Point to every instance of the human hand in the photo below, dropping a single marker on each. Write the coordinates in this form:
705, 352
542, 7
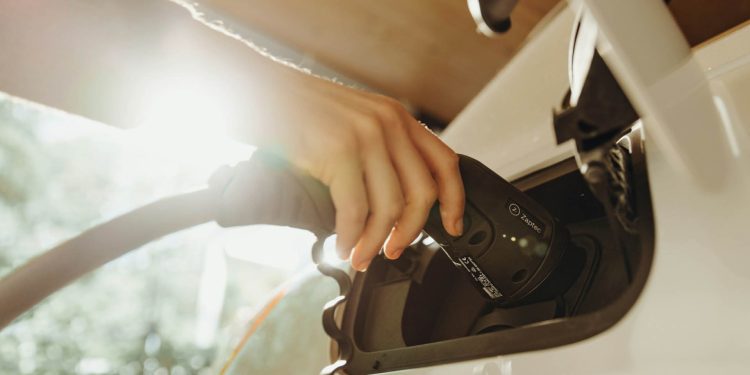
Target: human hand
384, 169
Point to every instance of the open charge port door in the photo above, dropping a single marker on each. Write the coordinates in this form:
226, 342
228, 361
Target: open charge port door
420, 310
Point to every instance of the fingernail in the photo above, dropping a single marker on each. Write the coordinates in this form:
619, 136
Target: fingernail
394, 253
361, 266
459, 226
343, 253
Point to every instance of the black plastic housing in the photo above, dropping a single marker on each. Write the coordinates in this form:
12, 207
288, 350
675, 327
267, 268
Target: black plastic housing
420, 310
510, 245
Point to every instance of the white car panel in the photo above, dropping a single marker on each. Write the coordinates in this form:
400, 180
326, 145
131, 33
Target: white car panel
691, 317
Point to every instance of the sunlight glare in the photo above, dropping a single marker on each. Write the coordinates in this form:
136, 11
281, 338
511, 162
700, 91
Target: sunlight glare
185, 117
275, 246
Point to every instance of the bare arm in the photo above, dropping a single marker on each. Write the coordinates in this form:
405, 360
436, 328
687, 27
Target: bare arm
98, 60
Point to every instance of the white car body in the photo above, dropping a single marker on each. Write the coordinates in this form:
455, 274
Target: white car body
691, 315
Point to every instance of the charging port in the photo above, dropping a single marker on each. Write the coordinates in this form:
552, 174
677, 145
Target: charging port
429, 313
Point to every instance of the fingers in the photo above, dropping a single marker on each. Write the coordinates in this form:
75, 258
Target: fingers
349, 197
398, 170
384, 195
417, 183
443, 163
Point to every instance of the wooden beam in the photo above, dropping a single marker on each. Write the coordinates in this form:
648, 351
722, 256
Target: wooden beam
425, 52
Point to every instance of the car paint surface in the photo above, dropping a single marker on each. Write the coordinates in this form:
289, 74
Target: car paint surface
691, 317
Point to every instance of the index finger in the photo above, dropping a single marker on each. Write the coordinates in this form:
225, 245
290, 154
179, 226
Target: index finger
443, 163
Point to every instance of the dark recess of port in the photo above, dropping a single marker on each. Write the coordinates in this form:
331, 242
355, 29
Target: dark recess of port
477, 237
520, 275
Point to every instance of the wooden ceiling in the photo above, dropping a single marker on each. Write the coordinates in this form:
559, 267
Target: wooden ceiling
426, 52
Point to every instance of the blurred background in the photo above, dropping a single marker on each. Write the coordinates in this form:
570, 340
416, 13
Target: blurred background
157, 310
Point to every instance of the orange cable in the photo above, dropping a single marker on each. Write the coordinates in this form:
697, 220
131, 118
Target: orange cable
262, 315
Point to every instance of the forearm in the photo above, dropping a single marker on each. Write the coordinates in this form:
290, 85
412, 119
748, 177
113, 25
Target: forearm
115, 62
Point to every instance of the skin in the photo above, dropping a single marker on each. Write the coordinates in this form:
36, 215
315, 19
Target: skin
384, 169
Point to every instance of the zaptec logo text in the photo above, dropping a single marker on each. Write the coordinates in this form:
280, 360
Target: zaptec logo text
526, 218
514, 209
530, 223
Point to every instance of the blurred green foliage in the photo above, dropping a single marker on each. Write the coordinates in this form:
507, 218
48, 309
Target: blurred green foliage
137, 315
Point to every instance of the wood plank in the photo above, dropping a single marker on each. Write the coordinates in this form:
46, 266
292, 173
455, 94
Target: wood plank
701, 20
424, 52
